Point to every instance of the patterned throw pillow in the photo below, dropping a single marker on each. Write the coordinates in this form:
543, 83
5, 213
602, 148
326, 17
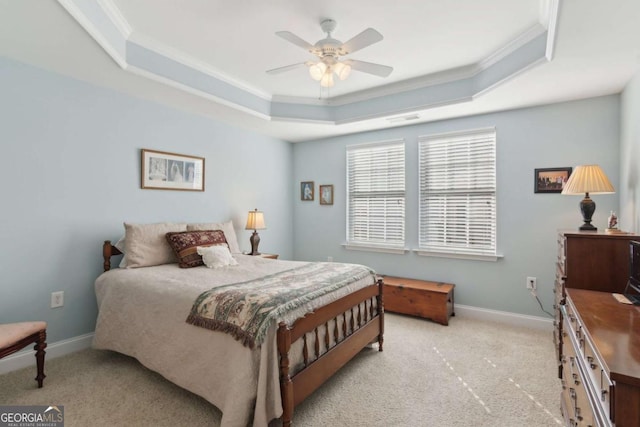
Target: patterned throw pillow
185, 245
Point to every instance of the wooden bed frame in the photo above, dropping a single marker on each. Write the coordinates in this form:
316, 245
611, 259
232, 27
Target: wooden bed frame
366, 325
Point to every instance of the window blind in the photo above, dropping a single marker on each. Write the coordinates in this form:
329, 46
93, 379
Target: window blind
376, 194
458, 193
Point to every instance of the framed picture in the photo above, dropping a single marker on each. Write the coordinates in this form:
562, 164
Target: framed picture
326, 194
550, 180
170, 171
306, 191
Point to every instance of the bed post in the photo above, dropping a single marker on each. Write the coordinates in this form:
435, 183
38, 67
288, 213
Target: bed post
107, 252
380, 312
106, 255
286, 386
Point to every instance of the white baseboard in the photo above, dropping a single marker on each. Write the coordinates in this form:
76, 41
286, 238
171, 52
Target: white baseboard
515, 319
26, 357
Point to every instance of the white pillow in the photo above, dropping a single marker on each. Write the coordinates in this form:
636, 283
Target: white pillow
227, 229
216, 256
146, 244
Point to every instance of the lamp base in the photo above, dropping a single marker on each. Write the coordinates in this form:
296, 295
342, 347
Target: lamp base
255, 240
587, 207
588, 227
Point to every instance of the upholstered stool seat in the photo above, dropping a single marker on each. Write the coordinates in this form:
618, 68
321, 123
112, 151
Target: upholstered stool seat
16, 336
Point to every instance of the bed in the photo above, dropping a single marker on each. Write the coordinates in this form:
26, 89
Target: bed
142, 314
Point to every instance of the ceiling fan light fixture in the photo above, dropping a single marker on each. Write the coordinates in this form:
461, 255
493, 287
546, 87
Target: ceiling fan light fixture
327, 79
329, 51
342, 70
317, 71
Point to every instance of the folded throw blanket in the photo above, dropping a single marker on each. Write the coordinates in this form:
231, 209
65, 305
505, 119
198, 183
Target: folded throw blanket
246, 310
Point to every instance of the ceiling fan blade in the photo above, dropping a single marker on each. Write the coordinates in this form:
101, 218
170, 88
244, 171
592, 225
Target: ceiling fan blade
292, 38
362, 40
288, 67
369, 67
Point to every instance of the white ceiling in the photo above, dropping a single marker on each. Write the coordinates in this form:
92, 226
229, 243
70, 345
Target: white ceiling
596, 49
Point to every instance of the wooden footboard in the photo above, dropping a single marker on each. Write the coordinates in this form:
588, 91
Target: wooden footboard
351, 333
348, 325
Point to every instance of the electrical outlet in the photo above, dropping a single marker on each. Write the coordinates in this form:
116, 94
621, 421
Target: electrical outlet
57, 299
531, 283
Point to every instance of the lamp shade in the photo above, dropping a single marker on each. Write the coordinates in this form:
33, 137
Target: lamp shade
255, 220
588, 179
342, 70
327, 79
316, 71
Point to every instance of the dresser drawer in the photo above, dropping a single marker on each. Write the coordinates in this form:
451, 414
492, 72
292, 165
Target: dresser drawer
562, 254
579, 410
599, 378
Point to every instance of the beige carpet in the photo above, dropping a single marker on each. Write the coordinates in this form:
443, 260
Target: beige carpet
470, 373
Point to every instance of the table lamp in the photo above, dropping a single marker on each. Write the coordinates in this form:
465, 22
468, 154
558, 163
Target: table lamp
587, 179
255, 221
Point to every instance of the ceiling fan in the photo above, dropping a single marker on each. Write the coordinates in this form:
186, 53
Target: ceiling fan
329, 52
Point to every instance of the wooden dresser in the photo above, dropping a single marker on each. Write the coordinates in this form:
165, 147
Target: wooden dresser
588, 260
601, 360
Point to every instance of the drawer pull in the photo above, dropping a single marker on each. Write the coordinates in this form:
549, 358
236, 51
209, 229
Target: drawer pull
603, 395
590, 360
575, 379
578, 416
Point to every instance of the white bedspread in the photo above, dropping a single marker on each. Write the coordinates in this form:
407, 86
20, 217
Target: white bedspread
142, 313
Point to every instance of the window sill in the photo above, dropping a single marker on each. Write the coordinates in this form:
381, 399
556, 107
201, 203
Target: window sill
374, 248
458, 255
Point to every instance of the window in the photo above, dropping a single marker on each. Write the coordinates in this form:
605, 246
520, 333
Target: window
458, 193
375, 186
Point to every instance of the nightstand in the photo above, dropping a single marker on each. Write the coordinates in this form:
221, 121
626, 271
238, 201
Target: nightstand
269, 256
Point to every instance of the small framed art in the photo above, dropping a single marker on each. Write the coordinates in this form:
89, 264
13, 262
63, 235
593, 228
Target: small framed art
550, 180
170, 171
326, 194
306, 191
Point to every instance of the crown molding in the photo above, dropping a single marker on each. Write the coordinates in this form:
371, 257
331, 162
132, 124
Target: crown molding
552, 27
529, 35
116, 17
85, 22
191, 62
152, 59
189, 89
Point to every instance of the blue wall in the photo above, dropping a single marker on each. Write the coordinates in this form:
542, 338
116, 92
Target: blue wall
558, 135
71, 176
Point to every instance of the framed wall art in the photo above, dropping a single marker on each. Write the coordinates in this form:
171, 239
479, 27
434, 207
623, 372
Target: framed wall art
306, 191
170, 171
550, 180
326, 194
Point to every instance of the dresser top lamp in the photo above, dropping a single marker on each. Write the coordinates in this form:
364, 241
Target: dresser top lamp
588, 179
255, 221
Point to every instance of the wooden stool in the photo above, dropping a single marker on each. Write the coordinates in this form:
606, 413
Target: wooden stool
16, 336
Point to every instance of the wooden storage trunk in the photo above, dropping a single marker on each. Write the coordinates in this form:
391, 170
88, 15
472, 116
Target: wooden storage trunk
431, 300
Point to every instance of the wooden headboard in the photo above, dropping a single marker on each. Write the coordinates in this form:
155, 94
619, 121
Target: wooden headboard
108, 251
